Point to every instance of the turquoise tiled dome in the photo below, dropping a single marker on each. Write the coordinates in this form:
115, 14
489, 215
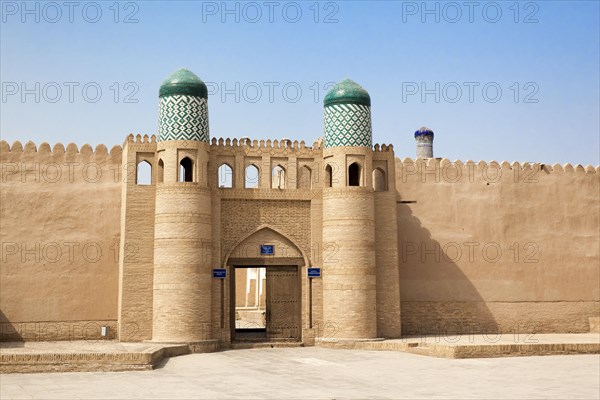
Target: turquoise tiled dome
183, 82
347, 92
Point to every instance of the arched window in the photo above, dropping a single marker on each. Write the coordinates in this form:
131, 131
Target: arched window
304, 180
252, 177
379, 181
186, 170
328, 176
354, 175
160, 175
278, 177
225, 176
144, 173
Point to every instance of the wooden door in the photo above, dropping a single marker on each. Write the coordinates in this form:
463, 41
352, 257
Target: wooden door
283, 303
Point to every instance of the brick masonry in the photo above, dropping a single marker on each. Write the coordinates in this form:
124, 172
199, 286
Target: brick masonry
421, 287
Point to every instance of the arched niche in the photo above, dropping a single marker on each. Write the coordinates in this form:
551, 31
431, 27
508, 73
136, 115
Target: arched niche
249, 248
379, 180
225, 176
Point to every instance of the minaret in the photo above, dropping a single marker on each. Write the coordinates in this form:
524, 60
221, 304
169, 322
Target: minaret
424, 138
349, 283
183, 227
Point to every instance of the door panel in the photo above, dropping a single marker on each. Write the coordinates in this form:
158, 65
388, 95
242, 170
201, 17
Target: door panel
283, 303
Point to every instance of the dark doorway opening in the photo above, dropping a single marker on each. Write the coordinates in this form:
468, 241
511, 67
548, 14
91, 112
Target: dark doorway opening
186, 170
354, 175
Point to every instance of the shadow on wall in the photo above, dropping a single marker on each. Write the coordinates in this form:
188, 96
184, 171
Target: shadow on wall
9, 332
436, 297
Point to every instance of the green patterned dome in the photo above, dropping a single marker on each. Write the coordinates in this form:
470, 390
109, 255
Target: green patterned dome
347, 116
347, 92
183, 82
183, 108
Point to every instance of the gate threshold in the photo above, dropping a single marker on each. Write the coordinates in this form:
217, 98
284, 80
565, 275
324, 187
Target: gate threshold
264, 344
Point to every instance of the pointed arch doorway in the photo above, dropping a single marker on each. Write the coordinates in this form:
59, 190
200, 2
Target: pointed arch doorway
266, 288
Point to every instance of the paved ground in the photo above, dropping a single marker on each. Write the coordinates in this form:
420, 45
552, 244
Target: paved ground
506, 338
79, 346
324, 374
109, 346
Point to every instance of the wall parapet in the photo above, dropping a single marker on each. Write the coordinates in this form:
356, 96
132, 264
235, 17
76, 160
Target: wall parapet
220, 145
383, 147
139, 144
139, 139
274, 148
419, 164
18, 152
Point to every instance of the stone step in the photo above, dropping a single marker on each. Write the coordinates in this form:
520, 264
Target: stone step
265, 344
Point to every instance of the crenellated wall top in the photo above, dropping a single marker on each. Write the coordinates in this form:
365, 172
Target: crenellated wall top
18, 152
273, 148
276, 148
139, 139
431, 163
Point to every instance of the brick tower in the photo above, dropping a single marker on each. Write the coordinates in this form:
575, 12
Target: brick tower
183, 227
349, 275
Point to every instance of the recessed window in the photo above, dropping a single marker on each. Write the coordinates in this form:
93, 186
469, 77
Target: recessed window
186, 170
354, 175
379, 181
160, 176
251, 177
304, 179
328, 176
144, 173
278, 177
225, 176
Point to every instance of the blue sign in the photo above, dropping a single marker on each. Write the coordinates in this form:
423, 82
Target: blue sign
220, 273
314, 272
267, 249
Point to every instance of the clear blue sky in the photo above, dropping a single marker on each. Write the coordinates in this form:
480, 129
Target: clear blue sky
549, 50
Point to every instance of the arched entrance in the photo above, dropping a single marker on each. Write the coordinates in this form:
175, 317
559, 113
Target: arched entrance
265, 270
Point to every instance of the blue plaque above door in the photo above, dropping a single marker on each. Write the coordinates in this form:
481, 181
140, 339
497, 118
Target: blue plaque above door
267, 249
